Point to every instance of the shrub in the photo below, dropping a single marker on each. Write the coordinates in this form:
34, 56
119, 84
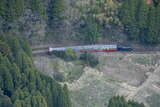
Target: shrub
89, 59
58, 76
67, 55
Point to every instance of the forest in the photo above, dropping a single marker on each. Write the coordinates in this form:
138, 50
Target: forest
138, 19
141, 20
21, 85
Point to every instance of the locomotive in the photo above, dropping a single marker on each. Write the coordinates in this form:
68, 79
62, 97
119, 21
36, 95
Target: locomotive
93, 48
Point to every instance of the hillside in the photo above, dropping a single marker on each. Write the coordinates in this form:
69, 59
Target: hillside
91, 21
135, 76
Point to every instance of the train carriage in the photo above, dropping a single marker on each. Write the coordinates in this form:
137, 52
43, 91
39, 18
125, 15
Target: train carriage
87, 48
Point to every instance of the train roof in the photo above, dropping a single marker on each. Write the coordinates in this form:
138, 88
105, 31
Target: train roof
84, 47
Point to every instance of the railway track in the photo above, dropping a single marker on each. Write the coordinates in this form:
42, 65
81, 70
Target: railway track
43, 50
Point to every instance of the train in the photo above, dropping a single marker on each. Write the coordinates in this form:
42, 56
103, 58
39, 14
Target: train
93, 48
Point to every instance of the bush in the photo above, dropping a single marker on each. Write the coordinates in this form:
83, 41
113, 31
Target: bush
89, 59
58, 76
67, 55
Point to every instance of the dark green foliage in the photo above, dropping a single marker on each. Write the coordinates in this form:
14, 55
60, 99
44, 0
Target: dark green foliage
153, 25
156, 2
18, 8
128, 17
67, 55
21, 85
119, 101
37, 7
55, 12
135, 104
141, 21
91, 31
2, 8
11, 9
89, 59
4, 49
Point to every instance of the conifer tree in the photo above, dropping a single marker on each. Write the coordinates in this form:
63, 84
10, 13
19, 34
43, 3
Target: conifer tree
37, 7
7, 81
92, 30
16, 75
67, 101
56, 11
17, 103
18, 8
143, 13
143, 19
152, 35
128, 17
2, 8
4, 48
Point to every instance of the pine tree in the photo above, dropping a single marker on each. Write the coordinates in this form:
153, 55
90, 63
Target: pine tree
18, 8
17, 103
9, 16
143, 19
128, 17
2, 8
4, 48
7, 81
56, 11
26, 47
67, 101
15, 75
92, 31
143, 13
38, 101
37, 7
152, 36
